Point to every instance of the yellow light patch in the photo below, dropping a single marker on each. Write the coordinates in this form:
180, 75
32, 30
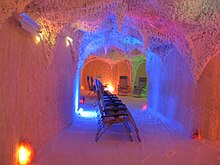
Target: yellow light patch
37, 39
25, 153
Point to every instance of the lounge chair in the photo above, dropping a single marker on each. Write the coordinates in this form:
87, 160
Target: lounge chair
139, 88
91, 87
112, 111
123, 85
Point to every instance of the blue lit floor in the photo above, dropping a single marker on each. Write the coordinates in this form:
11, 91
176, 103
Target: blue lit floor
160, 145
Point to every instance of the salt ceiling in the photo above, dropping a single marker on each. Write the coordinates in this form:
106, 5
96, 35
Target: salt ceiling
192, 26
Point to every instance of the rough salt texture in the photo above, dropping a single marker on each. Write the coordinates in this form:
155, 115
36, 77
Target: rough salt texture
171, 89
9, 6
207, 98
36, 103
191, 25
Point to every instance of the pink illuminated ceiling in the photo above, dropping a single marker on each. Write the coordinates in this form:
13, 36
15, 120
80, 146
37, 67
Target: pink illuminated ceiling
192, 25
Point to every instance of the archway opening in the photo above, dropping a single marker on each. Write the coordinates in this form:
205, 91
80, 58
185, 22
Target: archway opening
107, 71
207, 100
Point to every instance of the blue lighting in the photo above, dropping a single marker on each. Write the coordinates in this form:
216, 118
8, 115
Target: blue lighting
93, 46
154, 76
80, 110
28, 20
131, 40
88, 114
76, 87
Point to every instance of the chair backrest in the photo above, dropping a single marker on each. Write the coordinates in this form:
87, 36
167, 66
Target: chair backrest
142, 82
91, 80
88, 82
123, 81
99, 101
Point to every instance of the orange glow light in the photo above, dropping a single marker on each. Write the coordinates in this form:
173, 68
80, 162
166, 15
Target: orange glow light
25, 154
82, 87
109, 88
197, 134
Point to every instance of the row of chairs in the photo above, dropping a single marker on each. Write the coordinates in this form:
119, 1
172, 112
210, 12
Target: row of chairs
137, 91
112, 111
122, 87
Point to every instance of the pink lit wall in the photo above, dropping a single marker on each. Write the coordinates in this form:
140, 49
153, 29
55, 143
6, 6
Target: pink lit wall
35, 101
208, 101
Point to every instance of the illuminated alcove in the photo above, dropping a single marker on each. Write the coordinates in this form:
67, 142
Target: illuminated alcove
139, 70
207, 99
97, 68
106, 70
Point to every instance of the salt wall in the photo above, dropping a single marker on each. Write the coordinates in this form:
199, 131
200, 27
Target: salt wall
171, 88
35, 101
208, 101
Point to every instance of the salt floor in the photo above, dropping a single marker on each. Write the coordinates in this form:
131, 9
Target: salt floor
161, 143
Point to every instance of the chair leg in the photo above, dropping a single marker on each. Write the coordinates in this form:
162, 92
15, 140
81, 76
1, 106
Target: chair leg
89, 93
100, 133
131, 120
139, 139
127, 132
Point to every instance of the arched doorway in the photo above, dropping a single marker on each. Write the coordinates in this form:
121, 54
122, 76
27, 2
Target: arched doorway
141, 72
107, 71
122, 68
96, 68
207, 100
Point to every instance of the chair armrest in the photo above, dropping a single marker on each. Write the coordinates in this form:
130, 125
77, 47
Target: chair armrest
114, 115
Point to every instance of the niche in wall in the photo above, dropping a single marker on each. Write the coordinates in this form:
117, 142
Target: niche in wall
106, 70
141, 72
207, 99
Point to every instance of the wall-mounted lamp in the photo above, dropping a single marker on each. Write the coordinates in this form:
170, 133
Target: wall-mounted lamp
69, 41
25, 153
37, 39
28, 24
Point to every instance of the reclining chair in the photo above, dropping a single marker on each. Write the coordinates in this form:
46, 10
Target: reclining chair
91, 87
141, 85
112, 111
123, 85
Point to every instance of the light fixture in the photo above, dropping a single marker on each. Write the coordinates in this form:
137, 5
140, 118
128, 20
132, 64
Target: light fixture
37, 39
144, 106
69, 41
80, 110
197, 134
29, 24
81, 99
25, 153
109, 88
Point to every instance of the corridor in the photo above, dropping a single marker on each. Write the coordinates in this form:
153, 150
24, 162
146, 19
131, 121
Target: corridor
162, 144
